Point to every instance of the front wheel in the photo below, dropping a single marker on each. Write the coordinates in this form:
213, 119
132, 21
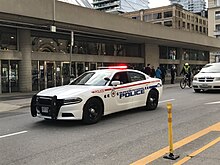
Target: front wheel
182, 83
92, 111
152, 100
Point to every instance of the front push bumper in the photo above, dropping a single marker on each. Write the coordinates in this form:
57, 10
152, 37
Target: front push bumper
45, 105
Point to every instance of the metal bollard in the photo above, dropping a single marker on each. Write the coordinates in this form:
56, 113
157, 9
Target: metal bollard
170, 134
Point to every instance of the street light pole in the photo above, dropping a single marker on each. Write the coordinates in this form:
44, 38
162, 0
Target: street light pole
71, 49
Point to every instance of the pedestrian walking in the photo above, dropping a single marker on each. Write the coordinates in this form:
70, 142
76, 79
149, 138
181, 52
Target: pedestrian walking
158, 73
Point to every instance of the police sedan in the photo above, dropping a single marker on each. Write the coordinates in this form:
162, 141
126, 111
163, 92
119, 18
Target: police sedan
97, 93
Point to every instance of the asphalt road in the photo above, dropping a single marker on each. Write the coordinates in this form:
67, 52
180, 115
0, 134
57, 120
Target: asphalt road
118, 139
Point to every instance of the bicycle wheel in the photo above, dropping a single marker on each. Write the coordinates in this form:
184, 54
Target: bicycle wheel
182, 83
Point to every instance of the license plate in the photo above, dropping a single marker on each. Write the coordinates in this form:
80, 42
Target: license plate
204, 86
44, 109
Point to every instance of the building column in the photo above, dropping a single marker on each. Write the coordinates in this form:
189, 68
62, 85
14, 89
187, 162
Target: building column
25, 67
152, 56
0, 78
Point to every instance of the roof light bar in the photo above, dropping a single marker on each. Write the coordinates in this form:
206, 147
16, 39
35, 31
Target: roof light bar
114, 67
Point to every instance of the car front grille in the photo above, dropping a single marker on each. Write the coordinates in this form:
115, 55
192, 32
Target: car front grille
44, 101
206, 79
52, 106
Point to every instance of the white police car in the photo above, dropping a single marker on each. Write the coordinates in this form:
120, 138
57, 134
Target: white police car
97, 93
208, 78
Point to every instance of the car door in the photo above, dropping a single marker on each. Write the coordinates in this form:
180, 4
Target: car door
138, 81
120, 97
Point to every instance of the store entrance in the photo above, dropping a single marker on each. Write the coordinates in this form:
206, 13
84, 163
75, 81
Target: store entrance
50, 75
9, 76
47, 74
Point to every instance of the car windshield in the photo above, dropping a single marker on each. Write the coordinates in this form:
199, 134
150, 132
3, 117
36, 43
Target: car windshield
211, 68
92, 79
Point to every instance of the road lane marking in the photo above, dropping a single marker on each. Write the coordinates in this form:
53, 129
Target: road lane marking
185, 159
216, 102
162, 152
166, 100
13, 134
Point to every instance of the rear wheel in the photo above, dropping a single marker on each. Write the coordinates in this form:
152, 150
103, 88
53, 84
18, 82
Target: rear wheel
182, 83
92, 111
152, 100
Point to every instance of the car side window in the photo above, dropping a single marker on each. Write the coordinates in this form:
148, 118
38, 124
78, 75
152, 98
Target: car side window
121, 76
135, 76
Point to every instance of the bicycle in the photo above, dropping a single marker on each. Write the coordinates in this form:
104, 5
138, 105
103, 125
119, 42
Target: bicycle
185, 82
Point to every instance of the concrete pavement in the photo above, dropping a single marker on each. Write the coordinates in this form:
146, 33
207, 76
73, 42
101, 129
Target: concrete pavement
14, 101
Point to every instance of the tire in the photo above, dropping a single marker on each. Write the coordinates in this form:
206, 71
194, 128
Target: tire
92, 111
182, 83
152, 100
197, 90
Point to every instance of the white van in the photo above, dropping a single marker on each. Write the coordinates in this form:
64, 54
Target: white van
208, 78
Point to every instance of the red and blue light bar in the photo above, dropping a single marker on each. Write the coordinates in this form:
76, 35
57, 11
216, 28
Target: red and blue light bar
115, 67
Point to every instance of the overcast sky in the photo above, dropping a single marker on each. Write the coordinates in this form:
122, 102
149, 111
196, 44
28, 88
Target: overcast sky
158, 3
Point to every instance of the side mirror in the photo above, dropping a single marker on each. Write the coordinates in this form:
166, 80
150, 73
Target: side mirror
115, 83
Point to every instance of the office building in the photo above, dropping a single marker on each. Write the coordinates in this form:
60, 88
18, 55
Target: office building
214, 25
173, 16
120, 6
195, 6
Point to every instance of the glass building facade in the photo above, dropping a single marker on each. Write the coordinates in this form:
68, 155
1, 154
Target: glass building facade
121, 6
194, 6
51, 57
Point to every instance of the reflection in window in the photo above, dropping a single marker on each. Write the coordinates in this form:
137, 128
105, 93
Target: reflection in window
217, 15
169, 53
157, 16
87, 46
189, 54
168, 23
168, 14
8, 39
148, 17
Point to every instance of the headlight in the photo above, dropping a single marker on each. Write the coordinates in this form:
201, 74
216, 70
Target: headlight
217, 79
72, 100
195, 78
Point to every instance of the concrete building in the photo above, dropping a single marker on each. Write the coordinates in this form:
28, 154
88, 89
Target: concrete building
195, 6
214, 25
120, 6
173, 16
43, 42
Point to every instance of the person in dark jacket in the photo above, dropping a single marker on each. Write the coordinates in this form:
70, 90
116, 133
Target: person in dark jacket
153, 73
173, 73
163, 74
147, 70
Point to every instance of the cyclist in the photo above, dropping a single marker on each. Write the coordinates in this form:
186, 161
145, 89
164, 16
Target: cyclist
187, 71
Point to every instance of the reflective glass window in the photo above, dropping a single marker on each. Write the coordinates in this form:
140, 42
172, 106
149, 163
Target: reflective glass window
8, 39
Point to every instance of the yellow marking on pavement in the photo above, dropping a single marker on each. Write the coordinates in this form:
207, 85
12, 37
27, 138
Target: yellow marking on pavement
198, 151
162, 152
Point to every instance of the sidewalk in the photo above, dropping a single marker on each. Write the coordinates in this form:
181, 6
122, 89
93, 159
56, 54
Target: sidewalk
13, 101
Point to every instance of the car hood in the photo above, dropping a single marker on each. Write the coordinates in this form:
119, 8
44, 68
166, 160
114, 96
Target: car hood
66, 91
200, 74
